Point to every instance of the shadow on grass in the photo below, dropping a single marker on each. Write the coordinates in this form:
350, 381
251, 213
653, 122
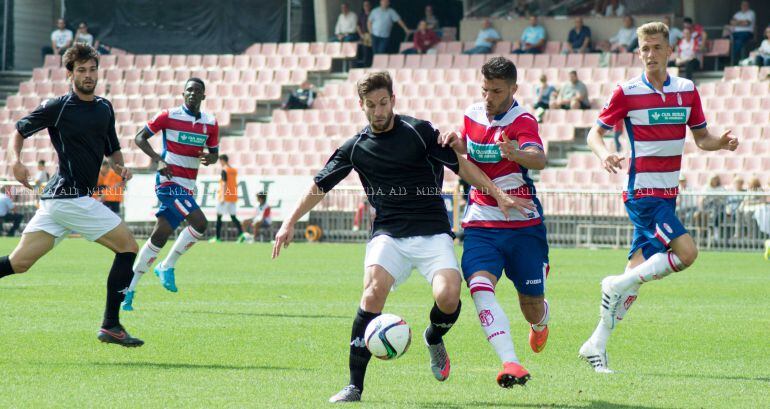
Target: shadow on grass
714, 377
167, 365
270, 315
477, 404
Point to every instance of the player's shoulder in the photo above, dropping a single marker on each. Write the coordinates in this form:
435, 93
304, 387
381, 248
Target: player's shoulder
208, 118
422, 126
476, 111
55, 102
679, 84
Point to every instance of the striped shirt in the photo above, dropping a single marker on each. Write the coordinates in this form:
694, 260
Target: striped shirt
655, 122
184, 137
480, 137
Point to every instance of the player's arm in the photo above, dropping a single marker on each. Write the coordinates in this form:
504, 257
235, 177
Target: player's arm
286, 233
141, 140
476, 177
211, 157
20, 171
454, 141
44, 116
116, 163
595, 139
531, 157
709, 142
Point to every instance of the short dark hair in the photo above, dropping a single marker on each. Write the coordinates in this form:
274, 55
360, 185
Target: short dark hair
499, 68
224, 157
687, 20
80, 52
374, 81
261, 195
197, 80
41, 162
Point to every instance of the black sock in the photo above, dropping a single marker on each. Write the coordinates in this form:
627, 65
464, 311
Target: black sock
219, 226
359, 354
440, 323
119, 279
237, 224
5, 267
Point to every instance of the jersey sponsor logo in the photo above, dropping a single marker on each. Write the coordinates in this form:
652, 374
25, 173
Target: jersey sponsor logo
190, 138
358, 342
667, 116
484, 153
668, 228
486, 318
534, 282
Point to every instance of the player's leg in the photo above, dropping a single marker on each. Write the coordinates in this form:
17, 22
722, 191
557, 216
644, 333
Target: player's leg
384, 267
218, 235
31, 247
183, 207
146, 256
482, 263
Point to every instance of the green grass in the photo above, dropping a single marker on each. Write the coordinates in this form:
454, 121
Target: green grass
245, 331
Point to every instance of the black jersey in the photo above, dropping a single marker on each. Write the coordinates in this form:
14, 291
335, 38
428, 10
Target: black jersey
402, 171
83, 133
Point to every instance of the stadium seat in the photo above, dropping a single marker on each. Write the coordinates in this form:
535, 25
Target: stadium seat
717, 49
502, 48
284, 49
525, 61
143, 61
253, 49
552, 47
453, 47
268, 49
52, 61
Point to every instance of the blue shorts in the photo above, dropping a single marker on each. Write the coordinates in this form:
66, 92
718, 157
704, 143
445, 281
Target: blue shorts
175, 204
655, 224
523, 253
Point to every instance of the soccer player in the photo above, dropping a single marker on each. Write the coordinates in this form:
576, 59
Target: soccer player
82, 130
227, 196
655, 108
501, 138
186, 132
400, 164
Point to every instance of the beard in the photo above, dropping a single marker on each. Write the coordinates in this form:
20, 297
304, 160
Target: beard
497, 110
84, 88
383, 127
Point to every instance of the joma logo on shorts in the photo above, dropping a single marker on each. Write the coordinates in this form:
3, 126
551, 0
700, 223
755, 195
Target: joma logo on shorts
533, 282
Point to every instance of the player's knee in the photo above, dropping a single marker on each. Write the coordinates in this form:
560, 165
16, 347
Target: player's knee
200, 226
21, 265
448, 299
130, 246
688, 256
374, 293
532, 308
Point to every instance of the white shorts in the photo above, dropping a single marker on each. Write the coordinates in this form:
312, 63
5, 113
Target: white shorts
428, 254
84, 215
226, 208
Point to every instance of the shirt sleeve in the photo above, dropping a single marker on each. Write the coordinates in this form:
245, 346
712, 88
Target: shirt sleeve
112, 145
338, 167
442, 154
158, 123
614, 110
697, 117
44, 116
394, 16
213, 140
525, 131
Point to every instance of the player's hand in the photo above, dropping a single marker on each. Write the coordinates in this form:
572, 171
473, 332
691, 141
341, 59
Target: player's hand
126, 174
283, 238
612, 163
163, 169
728, 142
453, 140
21, 174
507, 147
208, 158
506, 202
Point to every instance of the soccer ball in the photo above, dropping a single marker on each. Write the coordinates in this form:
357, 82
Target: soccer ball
388, 336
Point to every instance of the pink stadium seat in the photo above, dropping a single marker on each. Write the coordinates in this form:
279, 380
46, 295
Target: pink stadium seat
743, 117
623, 60
422, 75
178, 61
542, 61
349, 50
165, 76
453, 47
396, 61
44, 89
107, 61
298, 77
211, 61
40, 74
27, 88
52, 61
617, 75
760, 117
526, 61
462, 61
301, 49
253, 49
428, 61
380, 61
114, 75
444, 61
285, 49
591, 60
61, 88
731, 73
132, 75
317, 49
162, 61
760, 88
181, 75
132, 88
256, 62
323, 63
149, 75
502, 48
718, 48
404, 46
477, 60
467, 45
558, 61
552, 47
411, 61
269, 49
288, 63
242, 62
143, 61
125, 61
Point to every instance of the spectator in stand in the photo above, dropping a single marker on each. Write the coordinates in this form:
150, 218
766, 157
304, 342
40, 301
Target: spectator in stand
687, 54
763, 52
61, 39
485, 40
380, 23
83, 36
364, 52
572, 95
424, 40
41, 178
346, 28
543, 94
713, 208
734, 201
532, 38
430, 18
623, 40
579, 38
674, 34
7, 214
302, 98
615, 9
696, 28
743, 29
748, 206
687, 205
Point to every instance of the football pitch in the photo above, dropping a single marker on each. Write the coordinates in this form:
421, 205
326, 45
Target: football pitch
247, 331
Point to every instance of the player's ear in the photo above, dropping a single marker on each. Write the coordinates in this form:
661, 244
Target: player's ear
514, 88
361, 103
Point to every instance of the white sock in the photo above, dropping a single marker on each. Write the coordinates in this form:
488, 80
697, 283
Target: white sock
147, 255
654, 268
543, 321
186, 239
494, 322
